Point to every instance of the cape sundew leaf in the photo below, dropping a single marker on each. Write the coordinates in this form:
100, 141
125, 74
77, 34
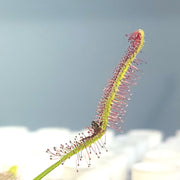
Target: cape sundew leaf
110, 111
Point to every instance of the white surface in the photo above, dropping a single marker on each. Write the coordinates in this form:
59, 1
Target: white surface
162, 155
154, 137
155, 171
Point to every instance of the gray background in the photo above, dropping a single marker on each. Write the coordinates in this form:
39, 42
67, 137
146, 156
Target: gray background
56, 56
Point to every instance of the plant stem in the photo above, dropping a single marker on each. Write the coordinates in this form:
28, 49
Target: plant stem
48, 170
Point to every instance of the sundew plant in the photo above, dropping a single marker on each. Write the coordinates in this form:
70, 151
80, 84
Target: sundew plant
110, 109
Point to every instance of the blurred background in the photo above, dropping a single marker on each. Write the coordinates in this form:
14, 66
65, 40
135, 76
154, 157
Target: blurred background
56, 57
